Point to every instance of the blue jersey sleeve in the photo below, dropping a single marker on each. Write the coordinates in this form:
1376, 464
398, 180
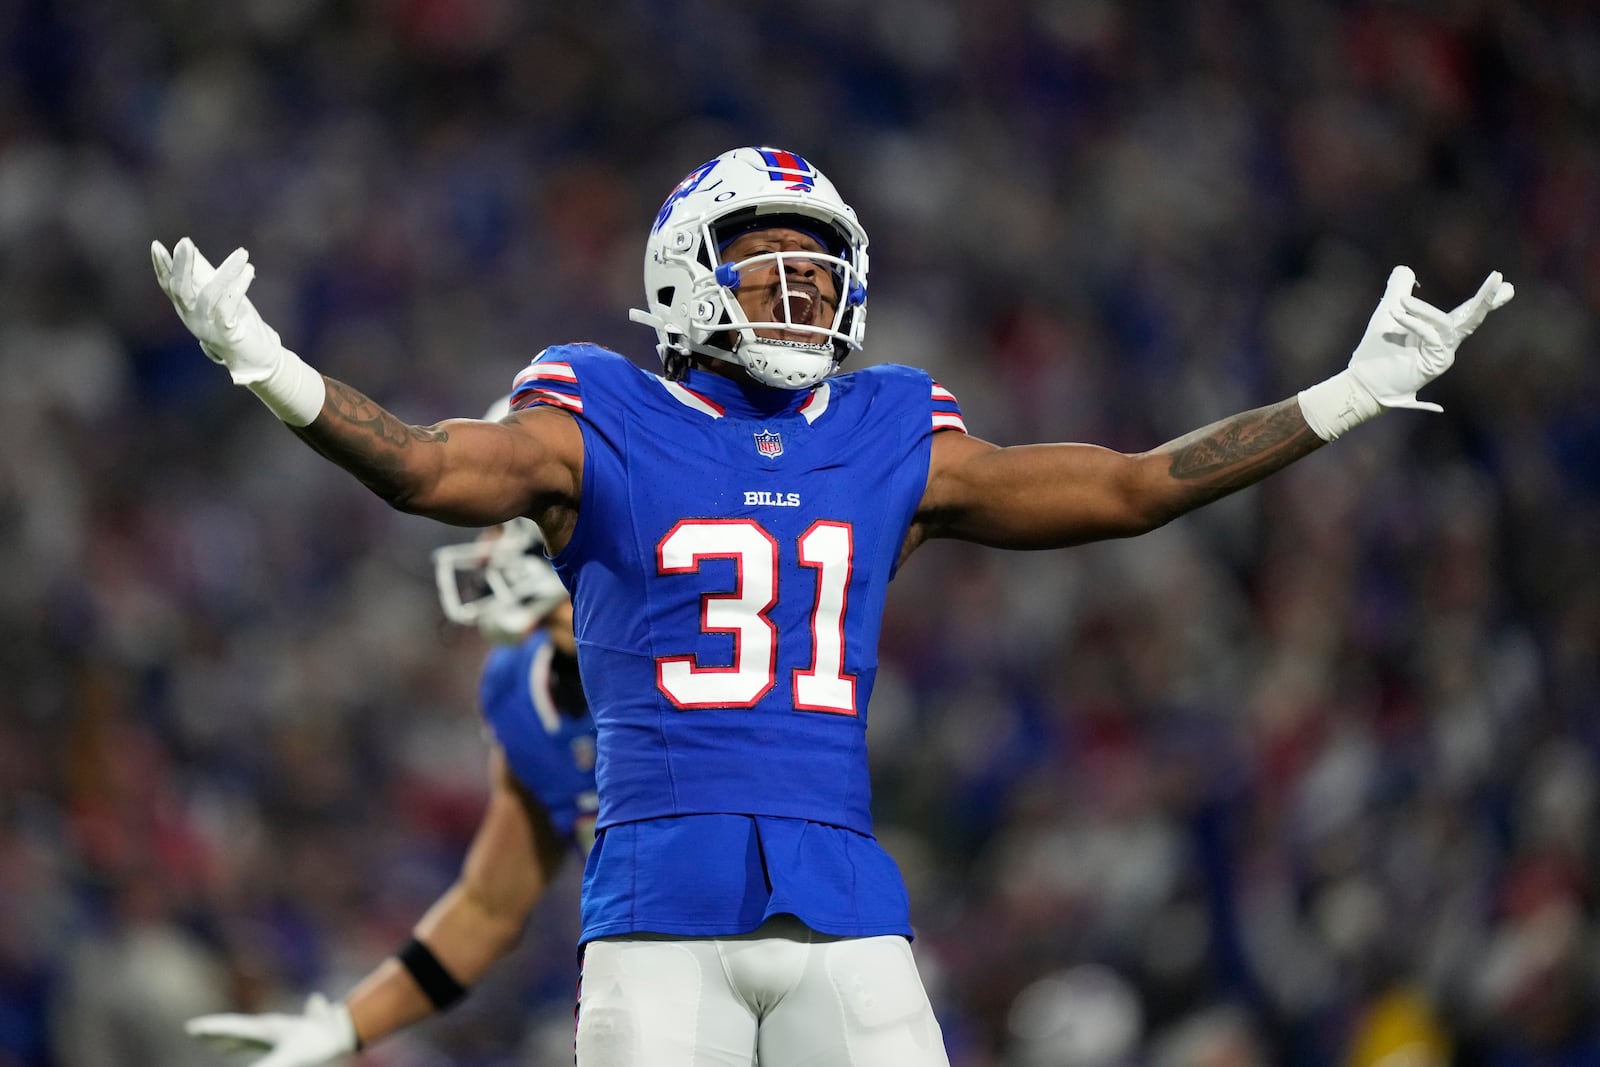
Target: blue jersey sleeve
554, 377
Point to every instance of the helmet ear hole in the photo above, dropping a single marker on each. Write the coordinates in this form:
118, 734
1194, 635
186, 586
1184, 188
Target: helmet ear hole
665, 294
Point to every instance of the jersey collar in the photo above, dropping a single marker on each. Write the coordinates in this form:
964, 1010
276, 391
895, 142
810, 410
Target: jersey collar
718, 396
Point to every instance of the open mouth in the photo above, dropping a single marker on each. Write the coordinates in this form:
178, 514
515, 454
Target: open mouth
799, 307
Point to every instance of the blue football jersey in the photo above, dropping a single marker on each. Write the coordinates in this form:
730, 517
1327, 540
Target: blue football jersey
729, 567
539, 720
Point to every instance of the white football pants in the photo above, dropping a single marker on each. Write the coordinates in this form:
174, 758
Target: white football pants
782, 995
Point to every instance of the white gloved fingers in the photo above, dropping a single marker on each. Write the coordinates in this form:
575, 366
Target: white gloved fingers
219, 301
233, 1030
1490, 287
235, 270
1493, 293
1401, 281
183, 289
203, 270
161, 260
185, 263
233, 298
1418, 326
190, 268
1437, 318
226, 287
1413, 403
323, 1033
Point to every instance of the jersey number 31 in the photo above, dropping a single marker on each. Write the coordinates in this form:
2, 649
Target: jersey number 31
828, 547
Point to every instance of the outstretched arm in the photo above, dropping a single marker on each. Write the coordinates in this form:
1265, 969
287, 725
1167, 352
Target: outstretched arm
513, 858
1048, 496
463, 471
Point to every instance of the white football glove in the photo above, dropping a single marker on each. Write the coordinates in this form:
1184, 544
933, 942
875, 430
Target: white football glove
213, 305
323, 1032
1407, 344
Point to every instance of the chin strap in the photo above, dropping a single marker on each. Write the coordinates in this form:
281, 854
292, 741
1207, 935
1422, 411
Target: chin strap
673, 351
675, 365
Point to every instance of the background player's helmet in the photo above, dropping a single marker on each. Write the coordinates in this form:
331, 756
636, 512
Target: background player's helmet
690, 291
501, 582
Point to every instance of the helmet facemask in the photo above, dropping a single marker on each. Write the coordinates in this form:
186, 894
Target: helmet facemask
783, 362
693, 292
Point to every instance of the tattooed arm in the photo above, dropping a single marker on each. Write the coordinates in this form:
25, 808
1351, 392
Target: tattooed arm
461, 471
1048, 496
464, 471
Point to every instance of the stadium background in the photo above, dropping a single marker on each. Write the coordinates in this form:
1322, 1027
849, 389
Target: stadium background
1308, 777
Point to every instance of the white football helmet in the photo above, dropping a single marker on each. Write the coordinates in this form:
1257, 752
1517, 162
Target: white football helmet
501, 582
689, 291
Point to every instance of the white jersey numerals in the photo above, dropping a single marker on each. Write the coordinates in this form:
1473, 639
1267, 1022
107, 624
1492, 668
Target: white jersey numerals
742, 612
827, 547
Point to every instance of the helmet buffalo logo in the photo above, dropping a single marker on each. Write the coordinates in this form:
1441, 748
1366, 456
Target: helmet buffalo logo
769, 444
685, 187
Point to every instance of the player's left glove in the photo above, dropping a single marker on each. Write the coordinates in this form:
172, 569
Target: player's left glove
323, 1032
1407, 344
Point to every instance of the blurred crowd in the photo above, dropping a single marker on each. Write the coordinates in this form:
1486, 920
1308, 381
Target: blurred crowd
1308, 777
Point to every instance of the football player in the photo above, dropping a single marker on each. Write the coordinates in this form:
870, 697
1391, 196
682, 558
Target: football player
542, 805
729, 529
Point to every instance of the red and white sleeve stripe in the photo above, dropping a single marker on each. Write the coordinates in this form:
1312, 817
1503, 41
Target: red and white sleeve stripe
946, 410
552, 382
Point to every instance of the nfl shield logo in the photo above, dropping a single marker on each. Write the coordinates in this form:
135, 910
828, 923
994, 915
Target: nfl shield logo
769, 444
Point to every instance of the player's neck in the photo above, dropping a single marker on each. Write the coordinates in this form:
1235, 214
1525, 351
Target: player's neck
723, 369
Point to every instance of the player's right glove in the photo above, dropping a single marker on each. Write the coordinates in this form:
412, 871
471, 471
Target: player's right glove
213, 305
323, 1032
1407, 344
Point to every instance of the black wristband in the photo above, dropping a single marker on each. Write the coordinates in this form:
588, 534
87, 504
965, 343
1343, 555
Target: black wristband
436, 983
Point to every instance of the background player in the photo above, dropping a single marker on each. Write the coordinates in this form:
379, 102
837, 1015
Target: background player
730, 531
541, 805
